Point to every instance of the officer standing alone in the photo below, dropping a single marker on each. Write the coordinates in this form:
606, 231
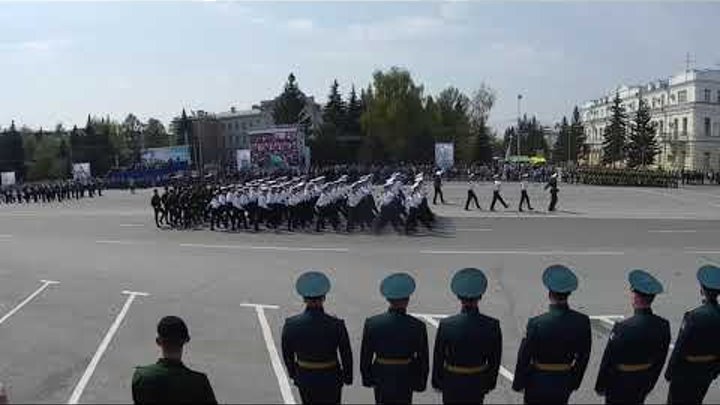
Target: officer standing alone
437, 186
311, 342
695, 360
394, 352
553, 186
637, 347
169, 380
554, 353
468, 346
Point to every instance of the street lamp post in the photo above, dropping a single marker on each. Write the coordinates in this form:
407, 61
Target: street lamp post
517, 135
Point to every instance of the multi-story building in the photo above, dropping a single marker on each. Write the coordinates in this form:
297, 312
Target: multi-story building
235, 126
685, 110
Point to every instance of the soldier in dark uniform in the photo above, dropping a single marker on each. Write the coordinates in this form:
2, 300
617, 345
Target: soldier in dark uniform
553, 186
156, 203
695, 360
311, 342
468, 346
169, 380
553, 356
637, 347
394, 353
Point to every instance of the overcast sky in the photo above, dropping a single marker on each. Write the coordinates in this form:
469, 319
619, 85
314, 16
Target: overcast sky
61, 61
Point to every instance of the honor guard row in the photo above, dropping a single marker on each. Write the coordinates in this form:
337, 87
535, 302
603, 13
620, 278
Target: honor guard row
297, 204
552, 357
50, 192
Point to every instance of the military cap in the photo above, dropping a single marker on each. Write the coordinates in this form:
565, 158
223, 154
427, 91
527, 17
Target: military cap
469, 283
560, 279
397, 286
312, 284
496, 176
438, 173
709, 277
644, 283
554, 175
173, 329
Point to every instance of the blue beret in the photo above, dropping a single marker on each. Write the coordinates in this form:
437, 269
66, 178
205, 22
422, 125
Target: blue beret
397, 286
469, 283
312, 284
709, 277
560, 279
644, 283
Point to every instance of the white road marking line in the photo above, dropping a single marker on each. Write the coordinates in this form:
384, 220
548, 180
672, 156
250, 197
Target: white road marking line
274, 248
672, 231
473, 230
132, 225
280, 374
608, 320
117, 242
45, 284
703, 252
5, 236
523, 252
430, 319
80, 387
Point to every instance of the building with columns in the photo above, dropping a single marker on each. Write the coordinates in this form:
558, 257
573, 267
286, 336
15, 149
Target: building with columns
685, 110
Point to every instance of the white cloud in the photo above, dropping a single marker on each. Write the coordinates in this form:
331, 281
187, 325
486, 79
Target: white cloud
34, 46
398, 29
301, 24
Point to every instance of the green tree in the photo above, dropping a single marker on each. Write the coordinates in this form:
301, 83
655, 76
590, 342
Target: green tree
561, 149
354, 113
155, 135
482, 101
453, 124
642, 146
289, 104
131, 131
324, 147
615, 134
12, 152
394, 116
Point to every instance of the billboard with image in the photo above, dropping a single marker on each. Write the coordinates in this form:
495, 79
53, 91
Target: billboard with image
8, 178
81, 171
175, 153
444, 155
242, 159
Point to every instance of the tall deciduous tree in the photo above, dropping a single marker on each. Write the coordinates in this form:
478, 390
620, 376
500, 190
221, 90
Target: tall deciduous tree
289, 104
155, 134
481, 102
615, 134
642, 146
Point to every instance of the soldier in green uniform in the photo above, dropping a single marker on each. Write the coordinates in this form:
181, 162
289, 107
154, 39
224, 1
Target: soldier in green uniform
394, 352
169, 380
553, 356
468, 346
695, 360
311, 342
637, 347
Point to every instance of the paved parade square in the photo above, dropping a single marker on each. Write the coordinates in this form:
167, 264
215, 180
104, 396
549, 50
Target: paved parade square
83, 284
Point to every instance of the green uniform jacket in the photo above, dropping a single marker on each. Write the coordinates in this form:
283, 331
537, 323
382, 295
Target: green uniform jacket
394, 335
698, 336
559, 336
640, 340
314, 336
169, 381
467, 340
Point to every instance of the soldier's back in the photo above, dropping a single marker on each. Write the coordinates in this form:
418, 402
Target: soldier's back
169, 381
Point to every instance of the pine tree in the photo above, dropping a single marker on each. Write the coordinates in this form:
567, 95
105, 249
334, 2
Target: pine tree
334, 112
354, 113
289, 104
615, 134
560, 149
642, 146
481, 142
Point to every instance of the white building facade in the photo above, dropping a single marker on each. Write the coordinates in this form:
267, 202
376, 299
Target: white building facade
685, 110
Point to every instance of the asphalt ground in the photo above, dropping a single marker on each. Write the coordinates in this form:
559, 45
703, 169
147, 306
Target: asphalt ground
78, 335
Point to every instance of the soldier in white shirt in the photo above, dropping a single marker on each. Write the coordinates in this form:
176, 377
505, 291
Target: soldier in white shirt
471, 196
524, 197
497, 185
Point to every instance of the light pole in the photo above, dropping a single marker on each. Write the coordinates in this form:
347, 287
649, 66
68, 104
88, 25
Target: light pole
517, 135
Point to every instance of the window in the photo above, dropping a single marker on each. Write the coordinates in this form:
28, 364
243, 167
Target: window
682, 96
675, 127
684, 128
707, 126
707, 95
662, 129
672, 98
662, 99
716, 128
236, 125
718, 96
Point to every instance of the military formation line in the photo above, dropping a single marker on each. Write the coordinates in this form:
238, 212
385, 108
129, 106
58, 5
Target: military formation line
395, 357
